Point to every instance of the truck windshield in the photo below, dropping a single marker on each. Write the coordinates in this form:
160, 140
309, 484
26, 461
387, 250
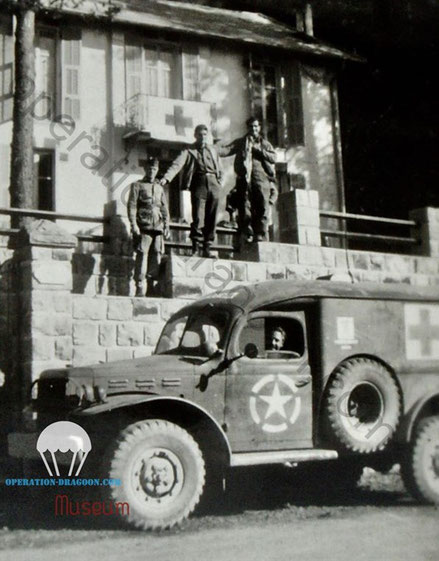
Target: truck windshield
200, 333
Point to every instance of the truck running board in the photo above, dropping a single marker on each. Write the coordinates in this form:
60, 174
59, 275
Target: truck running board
281, 457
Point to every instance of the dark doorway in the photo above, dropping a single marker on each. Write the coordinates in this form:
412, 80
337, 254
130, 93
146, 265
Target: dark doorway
44, 179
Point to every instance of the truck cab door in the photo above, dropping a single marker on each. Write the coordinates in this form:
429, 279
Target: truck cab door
268, 401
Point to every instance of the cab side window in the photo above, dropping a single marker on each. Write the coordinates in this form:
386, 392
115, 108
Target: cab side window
253, 332
275, 338
284, 338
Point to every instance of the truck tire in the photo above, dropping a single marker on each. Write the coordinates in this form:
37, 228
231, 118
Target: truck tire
161, 470
362, 406
420, 466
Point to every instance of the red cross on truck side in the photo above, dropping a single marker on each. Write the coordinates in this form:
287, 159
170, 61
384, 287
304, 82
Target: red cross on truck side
425, 332
178, 120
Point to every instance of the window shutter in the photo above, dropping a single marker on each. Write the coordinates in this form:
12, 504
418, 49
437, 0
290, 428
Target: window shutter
191, 75
133, 69
151, 72
6, 70
295, 134
133, 78
70, 72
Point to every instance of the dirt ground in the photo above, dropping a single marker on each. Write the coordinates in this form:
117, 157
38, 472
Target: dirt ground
262, 518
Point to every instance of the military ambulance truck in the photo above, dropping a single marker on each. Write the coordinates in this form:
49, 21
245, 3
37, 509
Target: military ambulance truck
353, 382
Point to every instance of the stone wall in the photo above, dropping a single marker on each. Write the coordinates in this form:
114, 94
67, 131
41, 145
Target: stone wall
189, 277
10, 312
117, 328
63, 304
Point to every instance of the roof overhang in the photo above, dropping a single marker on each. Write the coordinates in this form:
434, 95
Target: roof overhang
242, 27
246, 28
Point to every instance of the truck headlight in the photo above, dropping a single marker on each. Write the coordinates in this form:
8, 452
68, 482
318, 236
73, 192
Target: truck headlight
100, 394
29, 418
89, 394
34, 391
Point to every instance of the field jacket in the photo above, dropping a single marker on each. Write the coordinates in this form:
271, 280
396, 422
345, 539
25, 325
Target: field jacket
186, 162
147, 207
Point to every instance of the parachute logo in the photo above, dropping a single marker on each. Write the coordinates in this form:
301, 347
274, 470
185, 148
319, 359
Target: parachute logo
64, 436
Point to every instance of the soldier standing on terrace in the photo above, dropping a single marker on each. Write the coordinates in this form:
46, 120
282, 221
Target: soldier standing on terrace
202, 176
255, 189
149, 218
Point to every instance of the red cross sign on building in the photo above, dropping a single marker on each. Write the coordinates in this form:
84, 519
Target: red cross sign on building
179, 121
422, 331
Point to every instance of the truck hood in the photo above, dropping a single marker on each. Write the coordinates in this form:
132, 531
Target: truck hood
170, 374
154, 366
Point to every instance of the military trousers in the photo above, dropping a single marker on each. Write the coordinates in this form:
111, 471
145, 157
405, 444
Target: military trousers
149, 248
205, 191
253, 206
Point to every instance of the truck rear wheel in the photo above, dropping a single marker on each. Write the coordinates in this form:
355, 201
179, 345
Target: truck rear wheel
161, 470
362, 406
420, 467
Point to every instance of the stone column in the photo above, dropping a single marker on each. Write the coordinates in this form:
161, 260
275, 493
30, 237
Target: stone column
299, 219
44, 255
427, 231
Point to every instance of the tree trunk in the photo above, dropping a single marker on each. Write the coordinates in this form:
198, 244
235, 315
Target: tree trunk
22, 188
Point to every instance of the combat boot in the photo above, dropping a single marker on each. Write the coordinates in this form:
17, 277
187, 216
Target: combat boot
152, 288
140, 289
207, 251
195, 247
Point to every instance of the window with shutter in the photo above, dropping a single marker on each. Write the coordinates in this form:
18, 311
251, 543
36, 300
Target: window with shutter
191, 77
264, 98
159, 70
6, 70
276, 100
70, 72
134, 81
151, 72
45, 70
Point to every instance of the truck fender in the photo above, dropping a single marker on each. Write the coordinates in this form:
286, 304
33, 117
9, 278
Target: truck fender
114, 403
429, 403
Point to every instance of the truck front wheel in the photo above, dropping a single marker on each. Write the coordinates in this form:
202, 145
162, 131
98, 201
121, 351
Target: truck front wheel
161, 471
420, 466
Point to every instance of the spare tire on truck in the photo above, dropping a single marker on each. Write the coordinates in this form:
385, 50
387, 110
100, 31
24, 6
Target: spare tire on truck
362, 406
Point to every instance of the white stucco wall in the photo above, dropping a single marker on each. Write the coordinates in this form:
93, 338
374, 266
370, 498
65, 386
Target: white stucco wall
97, 137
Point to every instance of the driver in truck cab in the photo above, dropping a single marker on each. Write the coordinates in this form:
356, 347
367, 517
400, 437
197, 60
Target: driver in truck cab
277, 339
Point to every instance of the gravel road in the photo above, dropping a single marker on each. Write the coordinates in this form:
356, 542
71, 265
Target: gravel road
378, 522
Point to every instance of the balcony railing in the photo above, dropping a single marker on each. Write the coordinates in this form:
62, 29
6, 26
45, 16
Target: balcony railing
179, 232
390, 234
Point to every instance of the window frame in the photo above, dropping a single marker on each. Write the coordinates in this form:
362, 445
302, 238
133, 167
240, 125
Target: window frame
6, 48
58, 110
289, 123
296, 315
181, 51
39, 152
51, 32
